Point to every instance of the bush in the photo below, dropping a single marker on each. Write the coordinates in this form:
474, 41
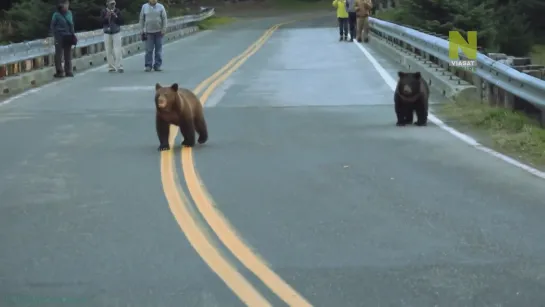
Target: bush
506, 25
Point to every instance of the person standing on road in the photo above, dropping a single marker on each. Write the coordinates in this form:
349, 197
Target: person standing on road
342, 17
153, 21
111, 22
363, 10
64, 37
351, 9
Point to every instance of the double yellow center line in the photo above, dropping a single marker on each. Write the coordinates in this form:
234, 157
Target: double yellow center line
179, 203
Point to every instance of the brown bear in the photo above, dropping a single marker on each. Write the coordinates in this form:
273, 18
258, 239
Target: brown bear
411, 95
180, 107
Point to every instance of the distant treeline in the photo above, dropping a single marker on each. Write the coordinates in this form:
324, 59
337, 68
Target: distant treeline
508, 26
29, 19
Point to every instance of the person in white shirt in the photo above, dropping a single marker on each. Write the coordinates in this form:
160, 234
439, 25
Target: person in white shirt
153, 22
111, 22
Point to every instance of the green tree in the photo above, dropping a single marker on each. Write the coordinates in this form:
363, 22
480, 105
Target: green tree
442, 16
29, 20
509, 26
516, 36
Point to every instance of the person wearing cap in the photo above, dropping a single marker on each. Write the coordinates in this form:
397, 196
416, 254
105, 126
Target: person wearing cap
111, 22
153, 23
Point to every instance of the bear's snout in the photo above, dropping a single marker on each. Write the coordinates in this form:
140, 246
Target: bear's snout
162, 102
407, 90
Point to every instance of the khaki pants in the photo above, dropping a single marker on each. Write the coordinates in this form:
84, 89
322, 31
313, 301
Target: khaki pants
114, 52
363, 26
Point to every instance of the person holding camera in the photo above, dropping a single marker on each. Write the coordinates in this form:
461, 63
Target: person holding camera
342, 17
153, 22
111, 22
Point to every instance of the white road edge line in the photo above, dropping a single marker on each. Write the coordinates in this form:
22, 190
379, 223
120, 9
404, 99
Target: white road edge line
83, 73
465, 138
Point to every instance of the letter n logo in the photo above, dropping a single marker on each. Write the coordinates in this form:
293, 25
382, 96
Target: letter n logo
456, 42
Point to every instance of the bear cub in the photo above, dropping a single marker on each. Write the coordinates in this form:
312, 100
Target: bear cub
411, 96
180, 107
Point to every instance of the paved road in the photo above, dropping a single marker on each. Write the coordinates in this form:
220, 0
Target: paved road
305, 161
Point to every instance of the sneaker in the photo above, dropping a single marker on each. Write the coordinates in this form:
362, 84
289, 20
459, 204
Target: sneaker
121, 70
111, 70
366, 40
58, 75
148, 69
157, 69
69, 74
341, 39
345, 38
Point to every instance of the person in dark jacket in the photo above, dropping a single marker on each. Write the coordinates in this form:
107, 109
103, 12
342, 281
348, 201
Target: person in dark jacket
64, 35
111, 22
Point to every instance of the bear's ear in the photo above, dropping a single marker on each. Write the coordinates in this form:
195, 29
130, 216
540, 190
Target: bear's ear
417, 75
401, 74
157, 86
174, 87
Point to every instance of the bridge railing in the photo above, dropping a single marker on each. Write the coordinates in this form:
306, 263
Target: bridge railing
495, 82
33, 55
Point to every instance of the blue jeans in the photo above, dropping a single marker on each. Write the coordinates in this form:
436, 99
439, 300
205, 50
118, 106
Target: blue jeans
154, 41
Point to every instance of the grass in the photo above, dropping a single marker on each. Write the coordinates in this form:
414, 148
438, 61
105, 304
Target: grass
214, 22
512, 133
267, 8
388, 15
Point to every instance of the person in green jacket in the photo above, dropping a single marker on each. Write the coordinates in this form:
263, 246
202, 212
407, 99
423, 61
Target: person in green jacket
342, 17
64, 35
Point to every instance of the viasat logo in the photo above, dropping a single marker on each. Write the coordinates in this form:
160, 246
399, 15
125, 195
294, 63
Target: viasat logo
469, 48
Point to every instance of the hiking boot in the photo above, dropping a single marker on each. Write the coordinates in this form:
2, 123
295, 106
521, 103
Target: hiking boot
69, 74
58, 75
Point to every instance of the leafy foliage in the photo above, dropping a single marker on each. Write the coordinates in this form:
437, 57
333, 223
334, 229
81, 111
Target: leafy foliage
509, 26
30, 19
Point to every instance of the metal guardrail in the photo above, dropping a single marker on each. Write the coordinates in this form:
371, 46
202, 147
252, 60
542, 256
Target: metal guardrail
497, 82
26, 56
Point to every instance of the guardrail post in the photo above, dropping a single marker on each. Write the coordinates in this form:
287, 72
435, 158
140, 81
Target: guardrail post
479, 85
493, 94
509, 100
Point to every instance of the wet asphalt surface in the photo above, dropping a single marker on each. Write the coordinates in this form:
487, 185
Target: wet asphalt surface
304, 159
